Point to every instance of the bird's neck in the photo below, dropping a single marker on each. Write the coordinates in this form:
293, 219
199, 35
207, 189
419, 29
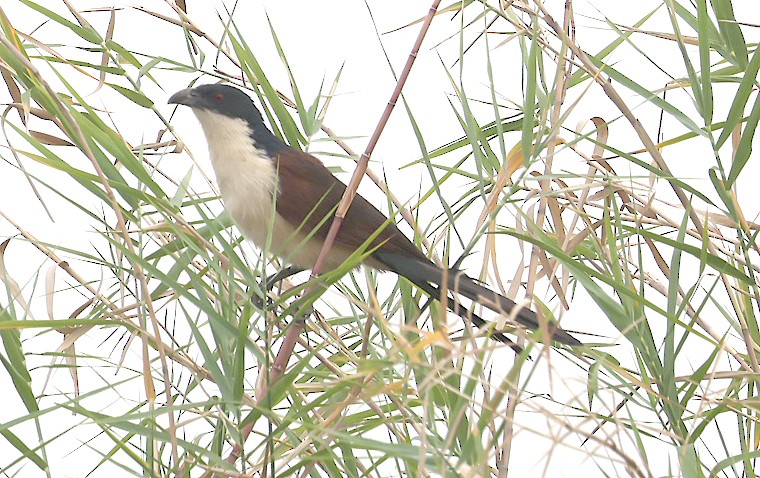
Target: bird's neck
222, 129
244, 167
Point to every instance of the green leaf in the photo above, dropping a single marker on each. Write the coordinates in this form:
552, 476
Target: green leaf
731, 31
648, 95
744, 150
738, 105
91, 36
15, 363
133, 96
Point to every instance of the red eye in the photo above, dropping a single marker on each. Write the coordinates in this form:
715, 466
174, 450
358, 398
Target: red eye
218, 97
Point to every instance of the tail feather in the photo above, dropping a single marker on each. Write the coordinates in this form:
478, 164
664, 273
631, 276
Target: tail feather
429, 277
434, 291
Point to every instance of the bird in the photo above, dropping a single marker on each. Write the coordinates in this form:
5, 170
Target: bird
283, 200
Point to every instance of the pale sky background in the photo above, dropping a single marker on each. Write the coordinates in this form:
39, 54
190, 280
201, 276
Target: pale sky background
319, 38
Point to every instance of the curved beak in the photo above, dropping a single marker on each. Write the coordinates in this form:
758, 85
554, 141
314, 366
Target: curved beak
185, 97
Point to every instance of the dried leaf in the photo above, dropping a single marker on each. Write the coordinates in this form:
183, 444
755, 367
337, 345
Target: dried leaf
45, 138
10, 282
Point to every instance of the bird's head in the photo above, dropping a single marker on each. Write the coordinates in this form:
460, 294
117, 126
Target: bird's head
220, 99
223, 110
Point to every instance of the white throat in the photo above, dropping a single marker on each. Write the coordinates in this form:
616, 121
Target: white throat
246, 176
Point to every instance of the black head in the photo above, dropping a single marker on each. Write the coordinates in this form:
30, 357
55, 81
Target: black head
231, 102
223, 99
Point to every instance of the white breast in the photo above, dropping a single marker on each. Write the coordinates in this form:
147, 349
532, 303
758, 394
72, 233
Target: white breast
245, 175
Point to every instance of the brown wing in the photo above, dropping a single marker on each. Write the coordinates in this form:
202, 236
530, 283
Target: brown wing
317, 194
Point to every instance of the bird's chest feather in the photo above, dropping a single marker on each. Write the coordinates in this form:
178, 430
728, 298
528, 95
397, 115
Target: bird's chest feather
245, 174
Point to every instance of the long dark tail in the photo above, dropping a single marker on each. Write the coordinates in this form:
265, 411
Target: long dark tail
429, 277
